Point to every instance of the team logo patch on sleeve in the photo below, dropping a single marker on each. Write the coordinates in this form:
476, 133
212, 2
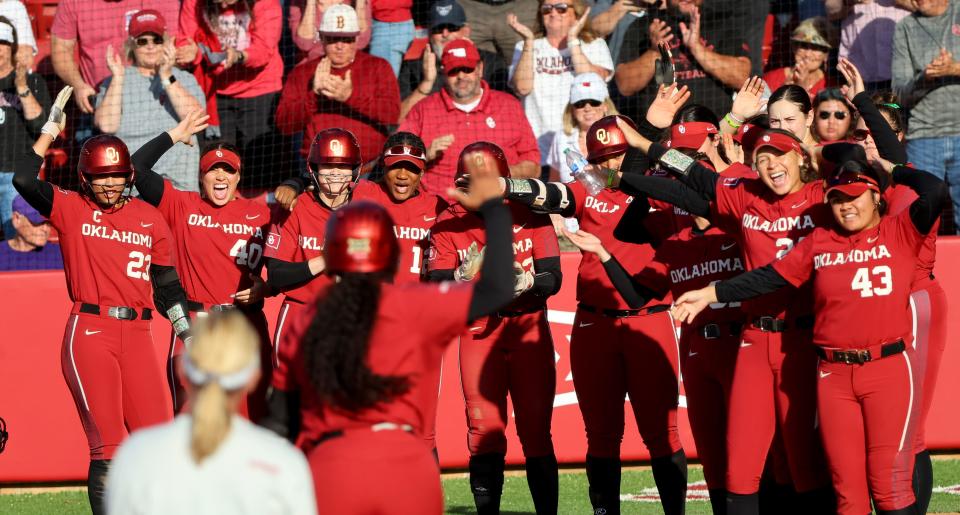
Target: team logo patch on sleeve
730, 182
273, 240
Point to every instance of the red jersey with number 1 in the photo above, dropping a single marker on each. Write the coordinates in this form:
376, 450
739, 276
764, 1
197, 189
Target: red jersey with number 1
767, 227
217, 247
412, 220
107, 254
861, 282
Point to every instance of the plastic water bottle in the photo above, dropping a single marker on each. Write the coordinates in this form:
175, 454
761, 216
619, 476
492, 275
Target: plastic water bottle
591, 176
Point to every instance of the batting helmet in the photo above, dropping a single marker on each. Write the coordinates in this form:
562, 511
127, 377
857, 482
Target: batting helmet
360, 239
605, 139
102, 155
334, 146
483, 150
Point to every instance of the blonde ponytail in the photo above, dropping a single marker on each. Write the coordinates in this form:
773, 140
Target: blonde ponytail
222, 361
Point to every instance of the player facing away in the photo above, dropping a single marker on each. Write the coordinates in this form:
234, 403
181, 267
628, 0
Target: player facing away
861, 270
508, 352
357, 357
219, 241
617, 349
114, 248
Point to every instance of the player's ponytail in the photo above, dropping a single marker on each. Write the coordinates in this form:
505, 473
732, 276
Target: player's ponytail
222, 362
335, 345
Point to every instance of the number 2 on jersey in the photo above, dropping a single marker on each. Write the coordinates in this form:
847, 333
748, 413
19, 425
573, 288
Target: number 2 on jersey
139, 265
247, 254
861, 281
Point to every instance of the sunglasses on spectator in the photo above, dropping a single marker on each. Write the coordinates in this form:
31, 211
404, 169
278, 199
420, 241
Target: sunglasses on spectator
460, 69
332, 40
584, 103
446, 27
839, 115
149, 40
405, 150
861, 134
559, 8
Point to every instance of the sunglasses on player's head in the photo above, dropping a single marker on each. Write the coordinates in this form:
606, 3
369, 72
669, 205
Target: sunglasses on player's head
588, 102
405, 150
844, 177
560, 8
839, 115
861, 134
149, 40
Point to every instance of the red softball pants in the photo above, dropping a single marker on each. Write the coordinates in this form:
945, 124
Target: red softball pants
113, 373
501, 356
614, 357
929, 306
867, 416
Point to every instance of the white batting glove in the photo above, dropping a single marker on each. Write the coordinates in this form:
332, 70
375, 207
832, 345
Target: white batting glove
522, 280
57, 119
471, 264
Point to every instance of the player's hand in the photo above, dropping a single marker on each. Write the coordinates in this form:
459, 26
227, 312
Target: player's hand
255, 293
575, 29
81, 96
194, 122
587, 243
57, 119
731, 149
855, 84
659, 33
522, 280
470, 265
484, 183
317, 265
438, 145
634, 138
690, 304
286, 197
749, 101
665, 106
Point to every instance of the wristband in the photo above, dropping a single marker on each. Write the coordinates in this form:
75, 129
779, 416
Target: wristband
730, 121
610, 174
736, 118
517, 186
677, 162
575, 42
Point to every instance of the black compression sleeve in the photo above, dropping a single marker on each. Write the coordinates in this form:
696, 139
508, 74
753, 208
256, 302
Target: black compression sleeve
754, 283
547, 280
284, 275
167, 290
494, 289
667, 190
37, 193
283, 414
631, 227
148, 182
932, 195
634, 294
297, 183
888, 145
438, 276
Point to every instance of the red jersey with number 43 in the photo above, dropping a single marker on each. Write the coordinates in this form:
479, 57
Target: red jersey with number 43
412, 220
691, 260
768, 226
533, 238
415, 323
217, 247
861, 283
107, 255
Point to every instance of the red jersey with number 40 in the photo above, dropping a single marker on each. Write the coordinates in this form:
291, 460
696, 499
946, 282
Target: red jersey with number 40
768, 226
107, 255
861, 283
412, 220
415, 323
217, 247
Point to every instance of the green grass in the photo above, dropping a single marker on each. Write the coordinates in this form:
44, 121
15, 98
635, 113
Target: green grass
516, 498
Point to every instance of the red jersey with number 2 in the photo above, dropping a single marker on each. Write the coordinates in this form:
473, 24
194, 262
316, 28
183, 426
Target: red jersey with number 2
107, 254
861, 282
768, 226
217, 247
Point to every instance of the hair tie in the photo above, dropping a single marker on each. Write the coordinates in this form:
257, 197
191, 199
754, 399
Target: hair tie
892, 105
229, 382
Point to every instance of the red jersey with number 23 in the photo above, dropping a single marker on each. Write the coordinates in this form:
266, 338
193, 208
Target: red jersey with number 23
107, 255
861, 282
217, 247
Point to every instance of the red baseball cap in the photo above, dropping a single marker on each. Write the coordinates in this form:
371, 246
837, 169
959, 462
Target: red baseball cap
219, 156
778, 140
747, 136
147, 21
851, 183
459, 53
690, 135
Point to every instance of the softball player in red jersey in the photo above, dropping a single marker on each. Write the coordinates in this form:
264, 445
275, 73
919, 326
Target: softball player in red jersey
773, 380
861, 269
113, 248
361, 389
219, 239
508, 352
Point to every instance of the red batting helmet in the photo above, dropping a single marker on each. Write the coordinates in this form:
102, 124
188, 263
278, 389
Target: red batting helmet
483, 150
605, 139
102, 155
334, 146
360, 239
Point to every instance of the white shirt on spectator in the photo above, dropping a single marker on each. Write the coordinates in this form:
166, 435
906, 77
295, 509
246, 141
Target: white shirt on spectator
555, 157
252, 472
552, 77
17, 14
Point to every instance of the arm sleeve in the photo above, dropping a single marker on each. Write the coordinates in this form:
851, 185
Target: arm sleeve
37, 193
264, 34
148, 182
932, 195
494, 288
888, 145
667, 190
750, 284
634, 294
283, 413
632, 227
549, 277
284, 275
437, 276
167, 290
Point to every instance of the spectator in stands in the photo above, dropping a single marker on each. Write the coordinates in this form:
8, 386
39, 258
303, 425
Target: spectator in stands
14, 11
465, 111
926, 76
832, 116
392, 30
346, 89
490, 33
812, 40
239, 69
141, 100
212, 460
712, 66
589, 102
90, 26
27, 247
304, 20
866, 35
610, 19
24, 105
542, 69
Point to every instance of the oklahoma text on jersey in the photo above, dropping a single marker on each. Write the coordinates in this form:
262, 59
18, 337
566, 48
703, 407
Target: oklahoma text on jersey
853, 256
711, 267
784, 224
242, 229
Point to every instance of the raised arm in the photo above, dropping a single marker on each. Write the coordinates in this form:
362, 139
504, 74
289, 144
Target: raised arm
148, 182
932, 195
37, 193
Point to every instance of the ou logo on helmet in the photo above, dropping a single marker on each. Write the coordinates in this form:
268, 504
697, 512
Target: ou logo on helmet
603, 136
336, 147
112, 155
